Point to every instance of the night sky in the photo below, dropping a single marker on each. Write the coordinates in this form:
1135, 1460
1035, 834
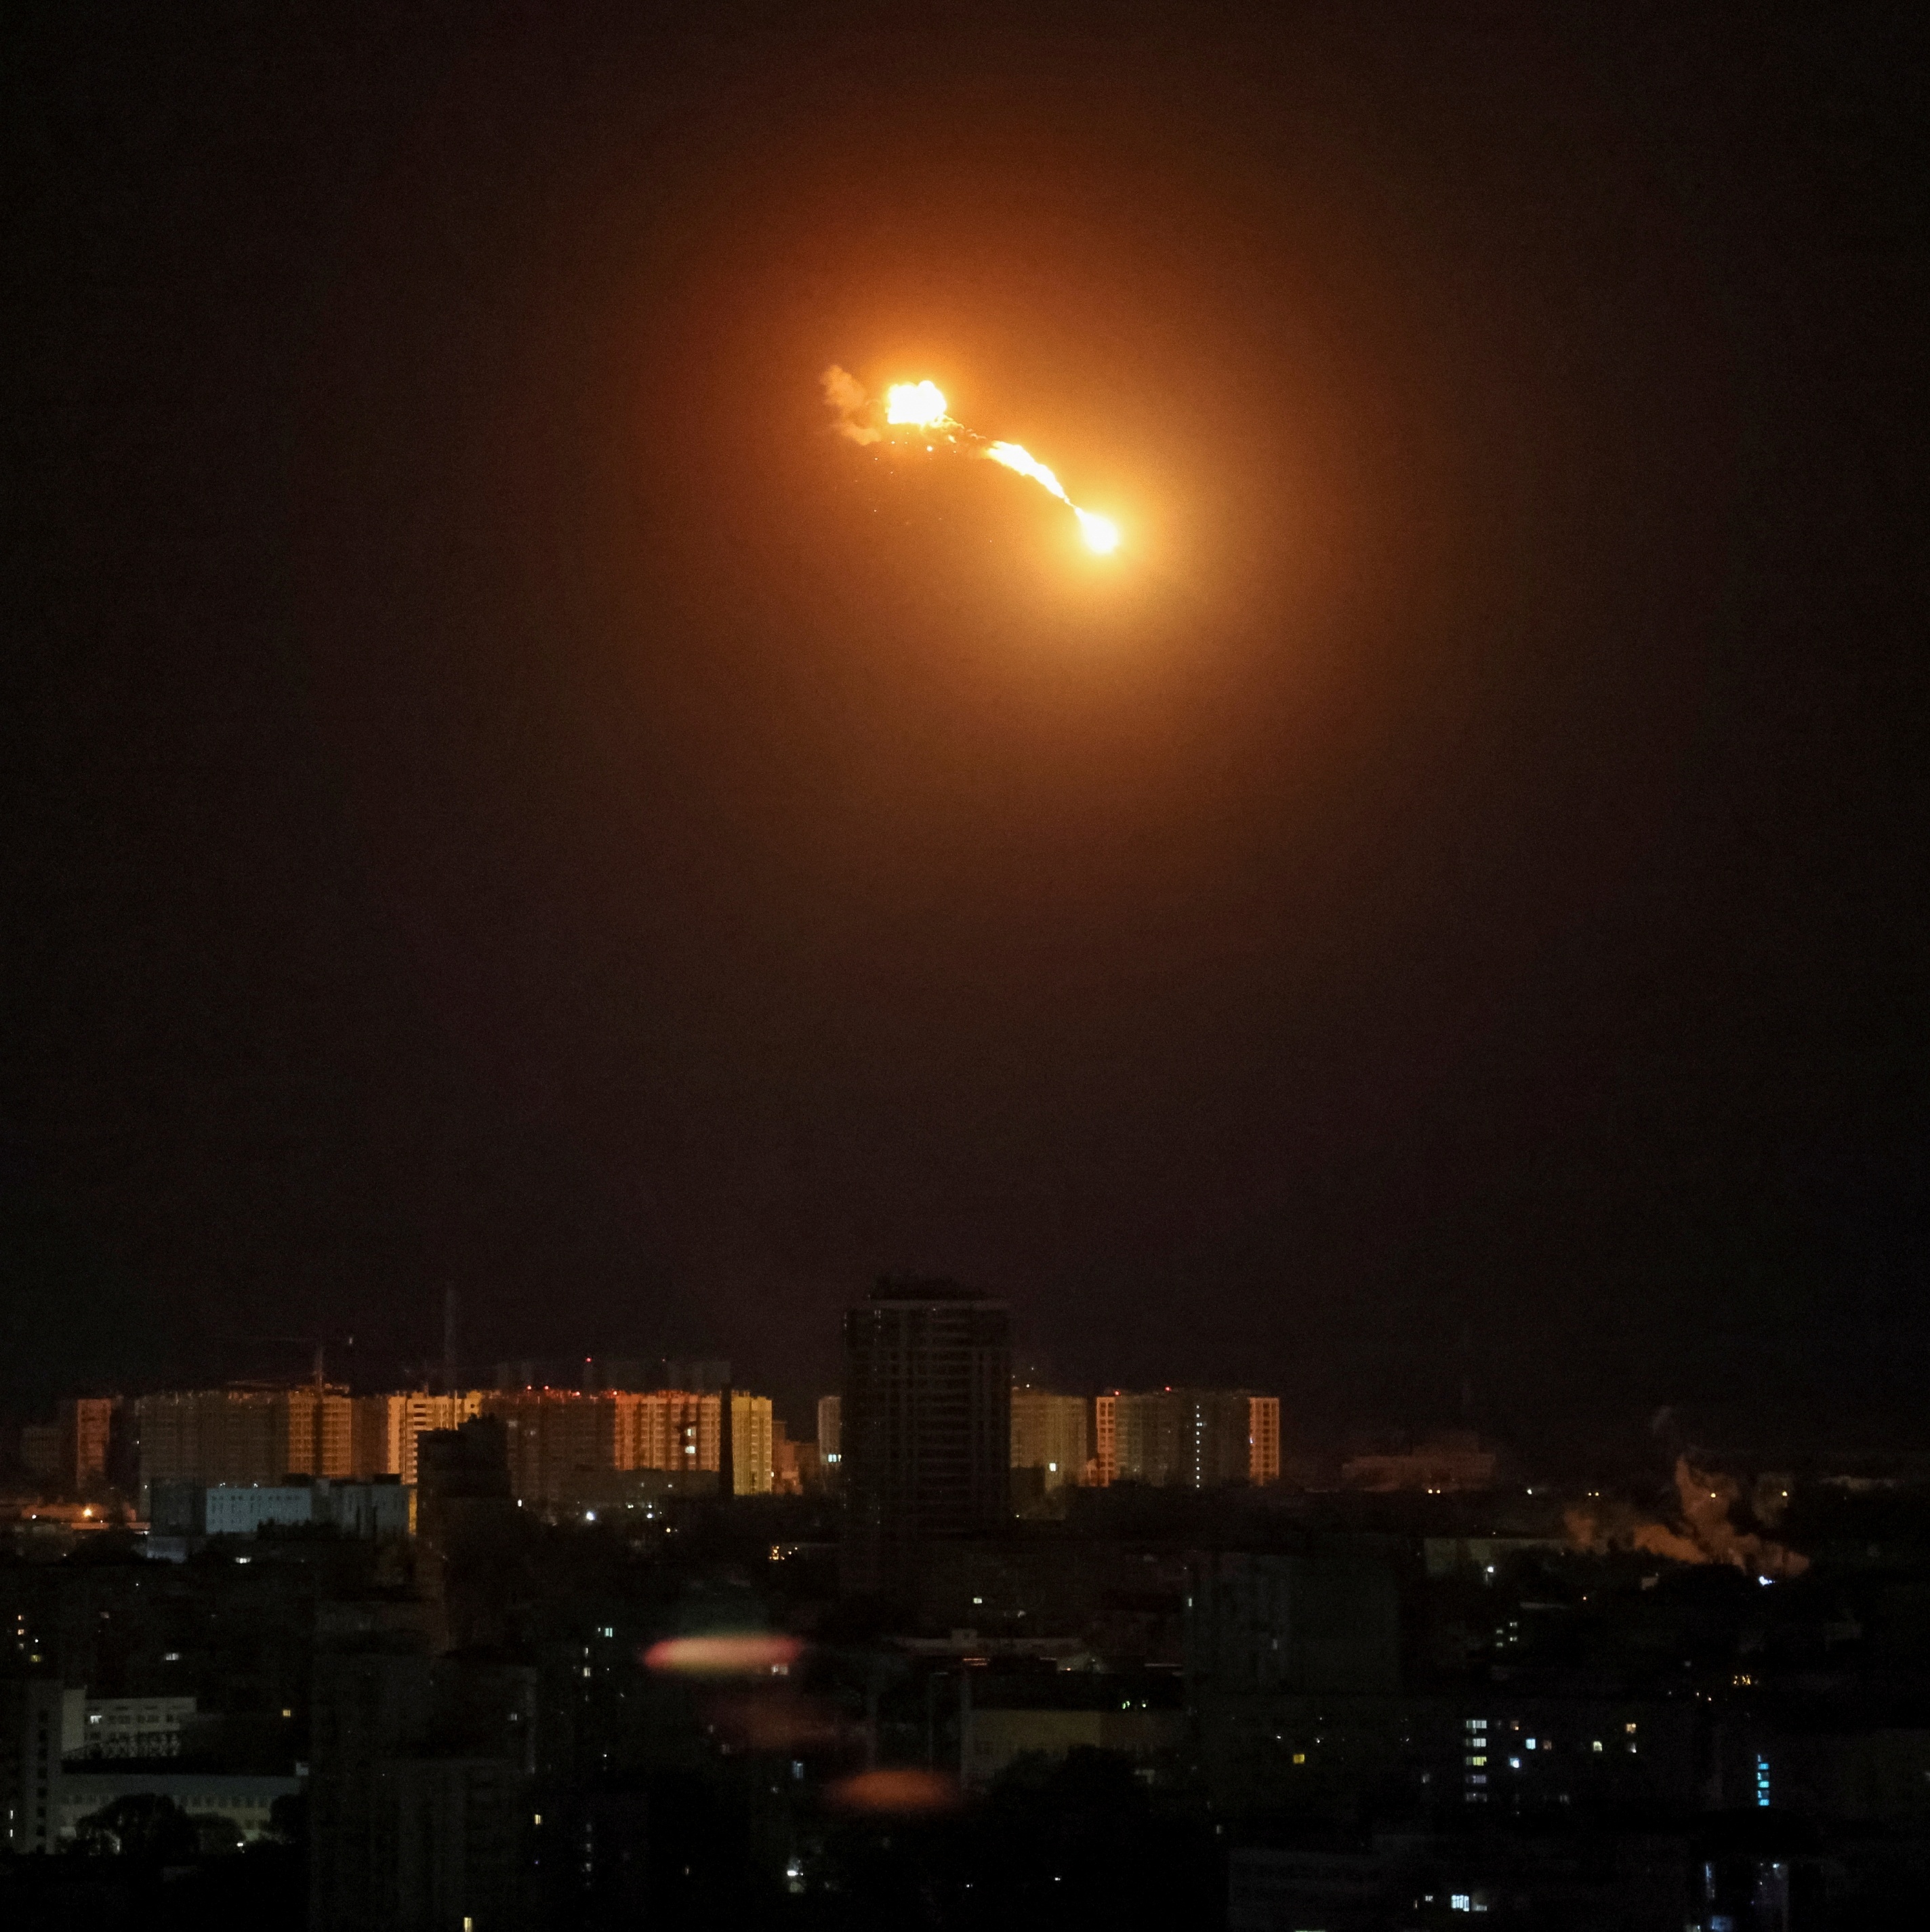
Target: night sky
496, 795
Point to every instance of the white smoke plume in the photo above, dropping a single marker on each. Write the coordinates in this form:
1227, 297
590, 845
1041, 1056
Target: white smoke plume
846, 395
1706, 1533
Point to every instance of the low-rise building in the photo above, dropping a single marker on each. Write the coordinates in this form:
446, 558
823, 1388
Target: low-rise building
1452, 1462
1049, 1714
375, 1511
121, 1727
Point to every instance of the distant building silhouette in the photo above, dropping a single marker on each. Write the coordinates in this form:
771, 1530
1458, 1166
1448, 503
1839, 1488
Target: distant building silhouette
1455, 1461
831, 1439
419, 1791
926, 1426
87, 1424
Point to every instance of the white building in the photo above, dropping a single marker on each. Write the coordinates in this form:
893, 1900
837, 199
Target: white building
374, 1511
121, 1727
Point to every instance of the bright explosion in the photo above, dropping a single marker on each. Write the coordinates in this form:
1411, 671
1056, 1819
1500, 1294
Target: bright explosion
921, 406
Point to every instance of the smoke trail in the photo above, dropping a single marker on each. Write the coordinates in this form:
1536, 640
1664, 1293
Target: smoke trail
846, 395
1705, 1534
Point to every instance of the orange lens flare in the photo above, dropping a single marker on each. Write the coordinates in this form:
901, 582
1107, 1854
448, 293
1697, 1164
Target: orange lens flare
906, 1791
745, 1656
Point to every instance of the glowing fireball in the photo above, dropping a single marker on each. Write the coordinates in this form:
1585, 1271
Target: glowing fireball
1101, 533
919, 404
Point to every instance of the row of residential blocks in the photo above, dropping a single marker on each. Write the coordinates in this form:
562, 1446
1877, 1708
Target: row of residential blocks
559, 1439
1170, 1438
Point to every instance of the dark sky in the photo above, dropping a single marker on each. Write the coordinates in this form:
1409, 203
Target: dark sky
496, 794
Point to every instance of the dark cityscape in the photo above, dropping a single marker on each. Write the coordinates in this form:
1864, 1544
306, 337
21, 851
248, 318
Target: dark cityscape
965, 968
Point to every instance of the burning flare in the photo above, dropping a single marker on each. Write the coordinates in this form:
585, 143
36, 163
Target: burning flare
921, 406
1102, 534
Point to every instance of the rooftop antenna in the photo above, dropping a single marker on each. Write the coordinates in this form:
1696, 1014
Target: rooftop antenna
448, 1341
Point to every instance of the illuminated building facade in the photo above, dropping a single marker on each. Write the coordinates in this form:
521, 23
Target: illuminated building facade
1262, 1439
317, 1432
750, 1444
1049, 1434
564, 1444
242, 1435
386, 1427
1186, 1438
